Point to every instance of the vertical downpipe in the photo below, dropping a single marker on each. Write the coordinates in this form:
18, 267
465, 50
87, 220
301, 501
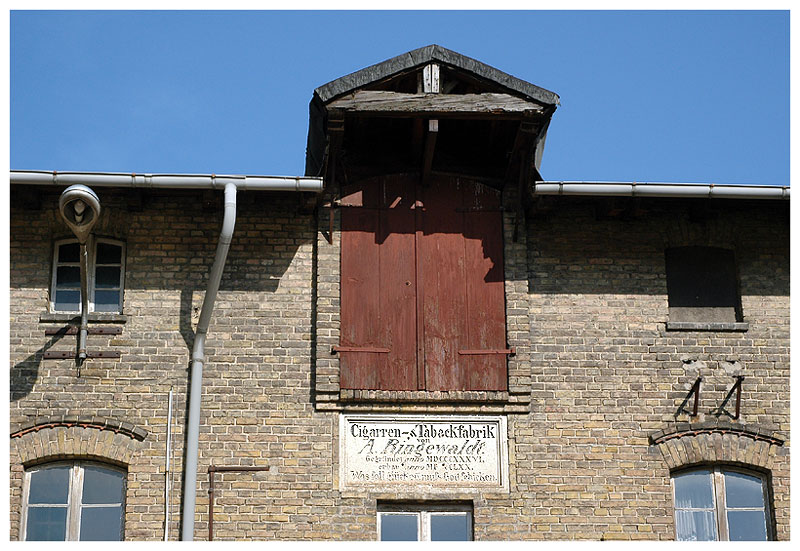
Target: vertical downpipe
198, 358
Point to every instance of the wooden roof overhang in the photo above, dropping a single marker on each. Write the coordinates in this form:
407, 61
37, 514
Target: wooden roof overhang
430, 110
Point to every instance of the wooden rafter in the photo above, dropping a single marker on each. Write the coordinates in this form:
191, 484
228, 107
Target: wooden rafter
383, 103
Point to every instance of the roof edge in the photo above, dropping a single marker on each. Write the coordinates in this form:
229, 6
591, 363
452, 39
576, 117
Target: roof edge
426, 54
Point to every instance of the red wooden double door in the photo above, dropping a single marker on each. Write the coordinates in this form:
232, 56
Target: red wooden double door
422, 286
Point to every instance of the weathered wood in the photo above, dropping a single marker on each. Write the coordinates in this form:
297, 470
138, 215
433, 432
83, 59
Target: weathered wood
378, 287
430, 79
388, 103
484, 290
411, 61
422, 286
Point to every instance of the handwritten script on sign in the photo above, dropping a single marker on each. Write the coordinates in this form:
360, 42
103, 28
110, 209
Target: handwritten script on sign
434, 451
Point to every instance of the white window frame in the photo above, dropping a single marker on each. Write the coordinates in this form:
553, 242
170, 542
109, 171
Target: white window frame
74, 497
423, 512
92, 266
720, 506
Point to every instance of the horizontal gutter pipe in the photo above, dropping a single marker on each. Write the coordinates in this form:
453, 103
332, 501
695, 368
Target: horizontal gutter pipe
620, 189
167, 181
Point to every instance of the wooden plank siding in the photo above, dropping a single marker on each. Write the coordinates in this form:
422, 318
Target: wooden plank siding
422, 277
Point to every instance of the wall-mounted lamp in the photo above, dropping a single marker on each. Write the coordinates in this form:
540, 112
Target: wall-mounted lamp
80, 208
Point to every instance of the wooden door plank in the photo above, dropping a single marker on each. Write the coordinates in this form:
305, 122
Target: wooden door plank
441, 256
359, 298
398, 285
485, 289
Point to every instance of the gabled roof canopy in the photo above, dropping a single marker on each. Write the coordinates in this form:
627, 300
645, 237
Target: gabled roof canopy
397, 66
374, 114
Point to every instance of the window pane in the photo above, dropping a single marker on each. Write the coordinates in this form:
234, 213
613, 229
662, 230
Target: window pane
108, 254
743, 490
695, 525
106, 301
69, 301
449, 528
747, 526
46, 524
693, 490
70, 252
398, 527
68, 277
49, 485
106, 277
101, 523
102, 485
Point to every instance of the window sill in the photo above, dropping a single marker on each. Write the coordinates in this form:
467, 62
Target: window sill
738, 326
67, 317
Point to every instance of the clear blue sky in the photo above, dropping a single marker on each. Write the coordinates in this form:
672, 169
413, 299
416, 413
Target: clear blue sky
645, 96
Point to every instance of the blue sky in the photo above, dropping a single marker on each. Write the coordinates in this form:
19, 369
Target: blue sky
645, 96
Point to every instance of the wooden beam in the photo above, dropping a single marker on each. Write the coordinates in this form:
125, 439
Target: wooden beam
430, 79
383, 103
522, 148
335, 139
430, 147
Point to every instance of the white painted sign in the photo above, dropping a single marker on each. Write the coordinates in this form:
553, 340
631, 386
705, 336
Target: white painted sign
434, 451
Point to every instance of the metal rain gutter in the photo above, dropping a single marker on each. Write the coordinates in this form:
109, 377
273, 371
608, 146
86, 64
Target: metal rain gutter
167, 181
648, 189
185, 181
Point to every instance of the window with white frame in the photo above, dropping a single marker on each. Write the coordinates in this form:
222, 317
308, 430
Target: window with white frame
424, 522
721, 503
106, 276
73, 501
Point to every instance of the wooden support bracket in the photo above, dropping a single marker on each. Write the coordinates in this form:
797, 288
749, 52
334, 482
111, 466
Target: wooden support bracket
430, 147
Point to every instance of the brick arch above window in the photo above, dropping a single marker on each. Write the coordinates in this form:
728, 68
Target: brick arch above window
106, 440
688, 444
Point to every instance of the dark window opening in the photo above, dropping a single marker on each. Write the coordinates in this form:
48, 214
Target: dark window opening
702, 285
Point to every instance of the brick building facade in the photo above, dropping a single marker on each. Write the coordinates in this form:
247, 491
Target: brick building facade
613, 389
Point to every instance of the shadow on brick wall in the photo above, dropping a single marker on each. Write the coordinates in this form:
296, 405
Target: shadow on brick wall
580, 246
23, 375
